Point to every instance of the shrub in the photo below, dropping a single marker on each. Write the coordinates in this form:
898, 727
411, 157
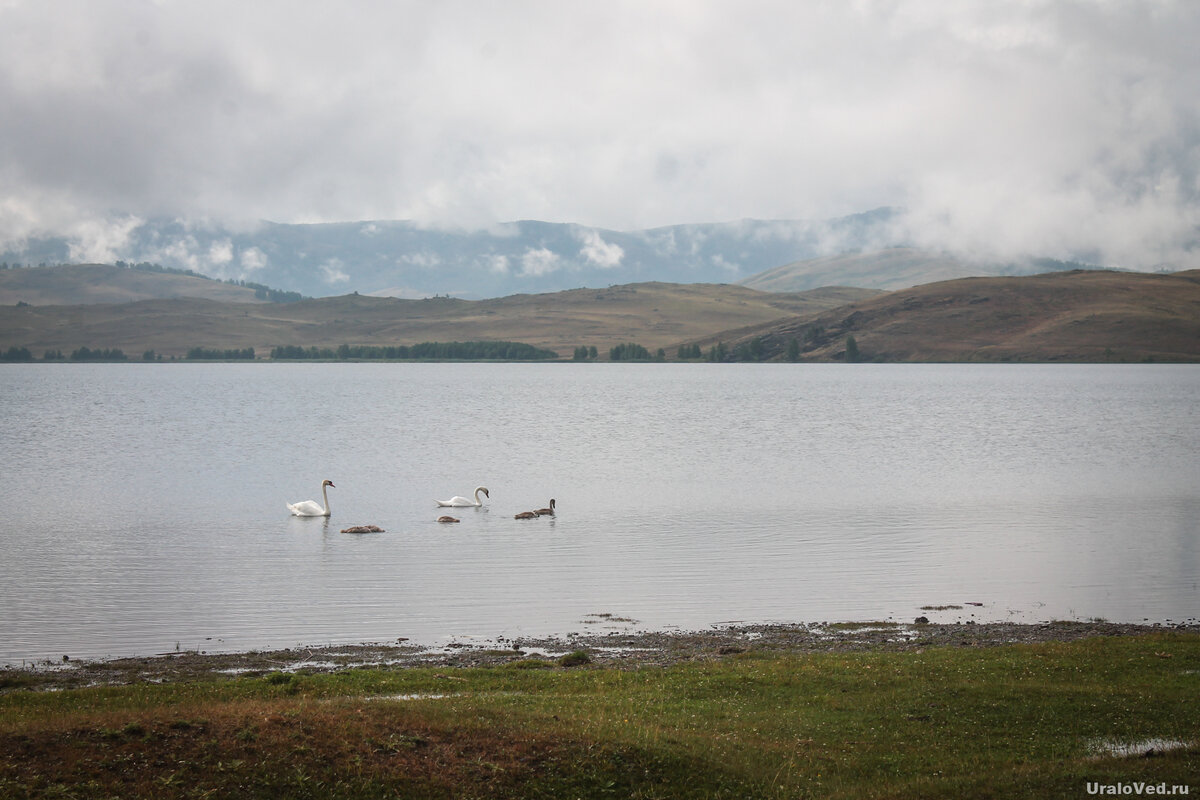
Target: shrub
575, 659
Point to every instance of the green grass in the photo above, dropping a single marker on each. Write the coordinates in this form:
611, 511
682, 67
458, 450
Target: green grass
1013, 721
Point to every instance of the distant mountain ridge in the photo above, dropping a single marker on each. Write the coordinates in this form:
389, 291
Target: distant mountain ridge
404, 259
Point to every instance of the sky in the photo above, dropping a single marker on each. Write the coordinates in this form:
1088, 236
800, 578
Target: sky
1058, 128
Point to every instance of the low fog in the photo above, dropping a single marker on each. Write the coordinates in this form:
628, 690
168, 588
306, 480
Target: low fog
1002, 130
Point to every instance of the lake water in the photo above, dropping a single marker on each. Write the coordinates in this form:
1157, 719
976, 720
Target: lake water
145, 503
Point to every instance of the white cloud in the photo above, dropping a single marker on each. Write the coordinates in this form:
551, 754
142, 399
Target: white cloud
220, 252
540, 261
253, 259
423, 260
1012, 126
181, 252
498, 264
732, 268
663, 242
100, 241
332, 271
605, 255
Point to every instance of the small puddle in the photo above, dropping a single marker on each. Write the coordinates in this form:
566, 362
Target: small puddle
1110, 748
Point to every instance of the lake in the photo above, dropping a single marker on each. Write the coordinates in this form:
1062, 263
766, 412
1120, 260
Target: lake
145, 503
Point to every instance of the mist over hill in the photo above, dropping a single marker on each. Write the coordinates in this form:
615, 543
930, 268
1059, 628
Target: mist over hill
892, 268
403, 259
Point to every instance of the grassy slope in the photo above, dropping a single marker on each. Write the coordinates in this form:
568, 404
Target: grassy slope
78, 284
651, 314
892, 268
1009, 721
1067, 316
1061, 316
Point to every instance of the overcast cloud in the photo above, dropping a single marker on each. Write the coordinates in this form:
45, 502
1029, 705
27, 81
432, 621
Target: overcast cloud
1042, 127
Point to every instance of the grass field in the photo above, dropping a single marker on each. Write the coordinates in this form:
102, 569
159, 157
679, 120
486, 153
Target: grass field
651, 314
1031, 720
1096, 316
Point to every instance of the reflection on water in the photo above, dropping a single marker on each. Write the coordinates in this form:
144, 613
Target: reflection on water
147, 502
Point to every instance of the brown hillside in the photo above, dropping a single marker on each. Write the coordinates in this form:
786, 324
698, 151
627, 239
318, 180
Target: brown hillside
1062, 316
891, 268
651, 314
80, 284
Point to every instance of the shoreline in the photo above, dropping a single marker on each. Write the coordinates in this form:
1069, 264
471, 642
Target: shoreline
609, 650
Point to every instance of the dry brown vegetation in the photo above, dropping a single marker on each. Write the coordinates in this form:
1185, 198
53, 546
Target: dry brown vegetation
890, 268
1089, 316
281, 747
651, 314
79, 284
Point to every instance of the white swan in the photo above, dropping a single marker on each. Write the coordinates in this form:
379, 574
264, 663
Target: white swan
309, 508
459, 501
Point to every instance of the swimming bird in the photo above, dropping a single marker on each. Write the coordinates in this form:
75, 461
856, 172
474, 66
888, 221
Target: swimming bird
546, 512
363, 529
309, 508
458, 501
447, 519
526, 515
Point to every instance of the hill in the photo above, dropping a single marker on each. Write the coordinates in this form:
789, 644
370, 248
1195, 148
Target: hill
78, 284
407, 260
1083, 316
890, 268
651, 314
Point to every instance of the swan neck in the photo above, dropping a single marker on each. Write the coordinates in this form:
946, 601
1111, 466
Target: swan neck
325, 497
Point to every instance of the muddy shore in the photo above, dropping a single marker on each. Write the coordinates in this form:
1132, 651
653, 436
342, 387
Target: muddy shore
611, 649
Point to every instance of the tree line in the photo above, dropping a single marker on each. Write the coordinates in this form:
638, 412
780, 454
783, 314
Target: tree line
631, 351
760, 349
755, 349
436, 351
261, 291
117, 354
586, 353
204, 353
81, 354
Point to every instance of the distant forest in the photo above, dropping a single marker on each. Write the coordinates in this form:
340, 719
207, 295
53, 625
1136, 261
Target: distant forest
81, 354
753, 350
431, 351
261, 291
466, 351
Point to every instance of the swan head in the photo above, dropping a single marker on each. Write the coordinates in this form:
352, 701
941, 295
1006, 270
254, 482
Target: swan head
327, 483
484, 490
